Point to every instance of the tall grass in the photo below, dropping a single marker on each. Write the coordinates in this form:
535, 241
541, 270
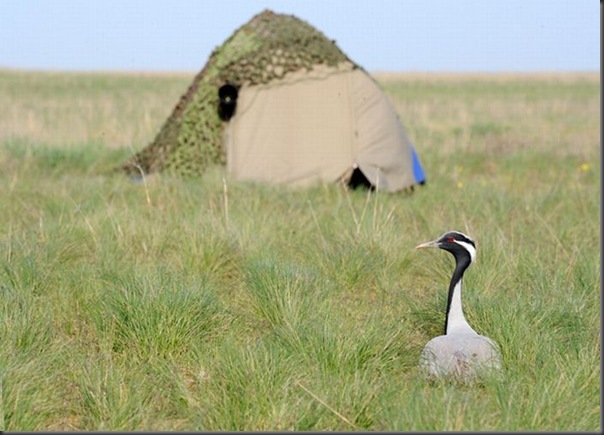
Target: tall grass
218, 305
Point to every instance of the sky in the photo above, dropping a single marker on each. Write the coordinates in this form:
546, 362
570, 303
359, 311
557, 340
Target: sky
380, 35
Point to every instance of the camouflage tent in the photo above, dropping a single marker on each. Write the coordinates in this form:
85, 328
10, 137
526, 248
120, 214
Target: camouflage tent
281, 103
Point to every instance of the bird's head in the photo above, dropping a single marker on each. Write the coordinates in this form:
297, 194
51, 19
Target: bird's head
458, 244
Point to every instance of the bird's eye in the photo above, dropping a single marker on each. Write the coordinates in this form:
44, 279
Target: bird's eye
450, 240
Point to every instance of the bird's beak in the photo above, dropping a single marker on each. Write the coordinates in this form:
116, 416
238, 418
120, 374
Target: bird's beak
432, 244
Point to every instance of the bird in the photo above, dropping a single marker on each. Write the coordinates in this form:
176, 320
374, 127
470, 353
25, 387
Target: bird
460, 353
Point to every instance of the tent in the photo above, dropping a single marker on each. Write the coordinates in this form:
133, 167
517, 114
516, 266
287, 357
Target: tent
278, 102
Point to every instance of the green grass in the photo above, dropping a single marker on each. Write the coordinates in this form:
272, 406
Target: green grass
219, 305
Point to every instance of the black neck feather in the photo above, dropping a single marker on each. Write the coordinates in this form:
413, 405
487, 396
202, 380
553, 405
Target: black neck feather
462, 262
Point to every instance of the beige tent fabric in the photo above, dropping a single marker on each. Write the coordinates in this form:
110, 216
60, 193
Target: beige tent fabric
384, 151
315, 126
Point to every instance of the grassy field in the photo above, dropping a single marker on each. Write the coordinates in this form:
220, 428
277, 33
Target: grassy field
218, 305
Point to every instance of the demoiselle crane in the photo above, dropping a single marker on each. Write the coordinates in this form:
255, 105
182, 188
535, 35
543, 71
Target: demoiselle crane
461, 352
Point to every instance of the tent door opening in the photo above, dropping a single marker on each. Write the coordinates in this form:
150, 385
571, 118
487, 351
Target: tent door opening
358, 179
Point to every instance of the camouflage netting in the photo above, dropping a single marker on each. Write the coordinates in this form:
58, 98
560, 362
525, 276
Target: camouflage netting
269, 46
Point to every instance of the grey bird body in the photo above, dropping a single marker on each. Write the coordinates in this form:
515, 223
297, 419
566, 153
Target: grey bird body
460, 356
460, 353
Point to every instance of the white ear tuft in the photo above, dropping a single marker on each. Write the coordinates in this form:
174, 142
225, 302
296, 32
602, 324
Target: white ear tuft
471, 249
